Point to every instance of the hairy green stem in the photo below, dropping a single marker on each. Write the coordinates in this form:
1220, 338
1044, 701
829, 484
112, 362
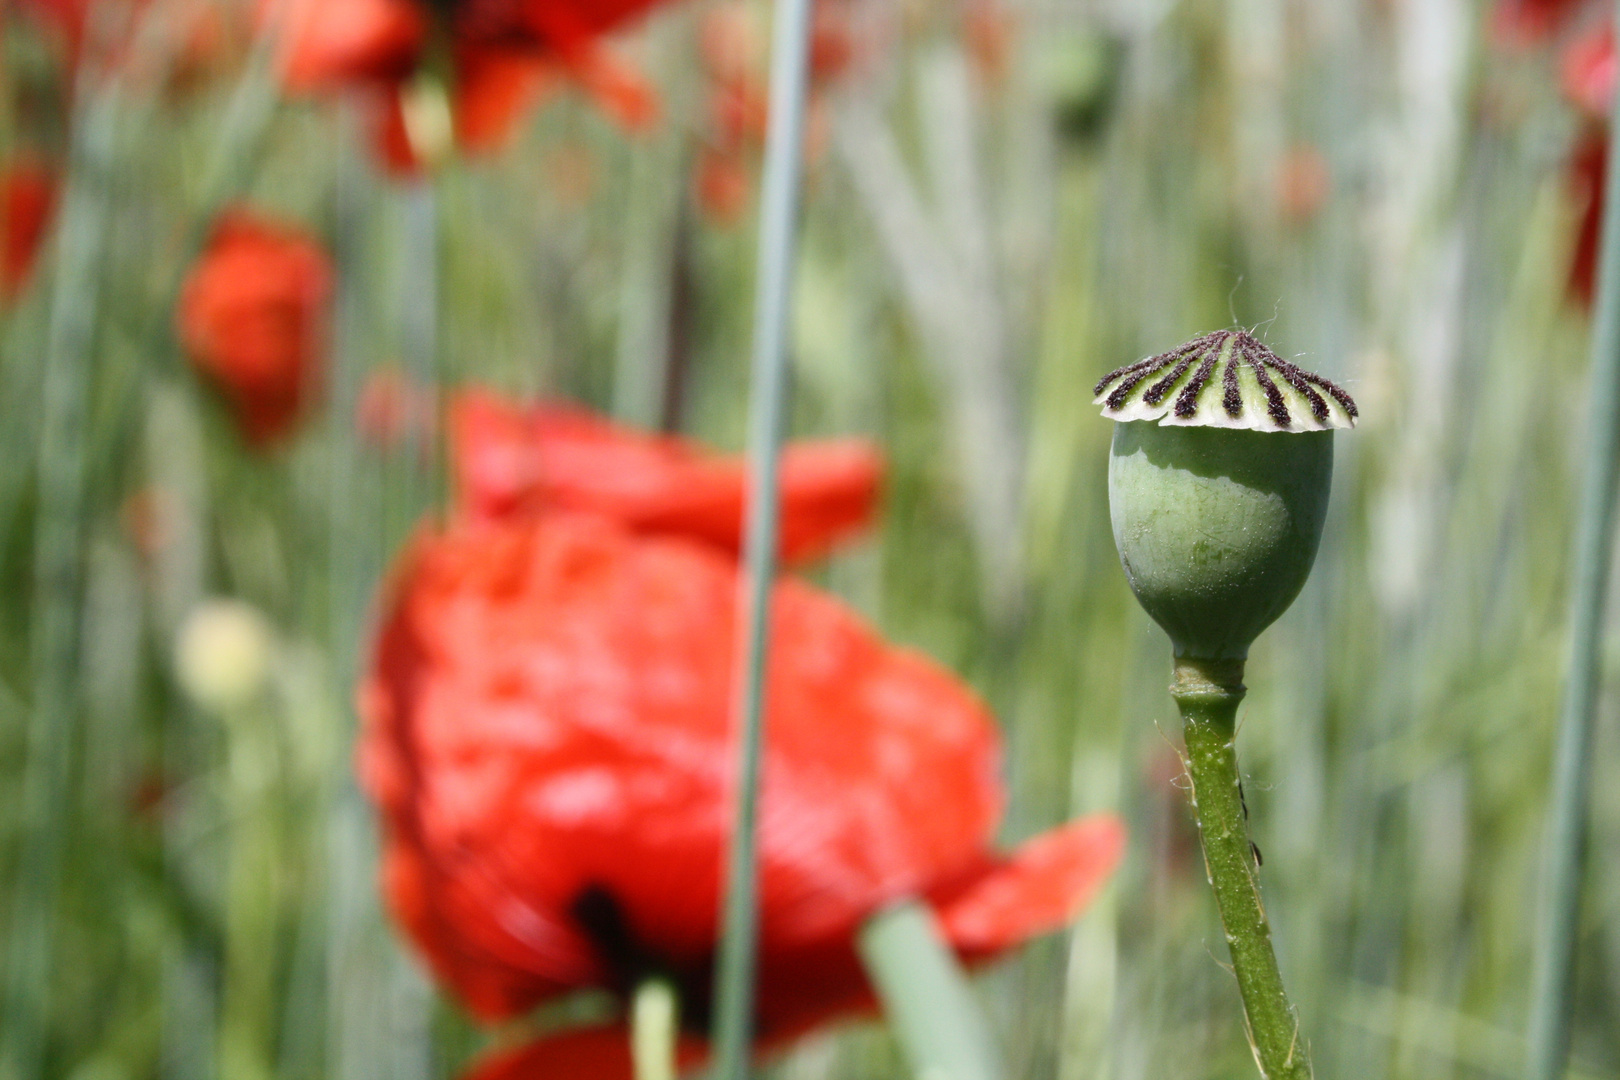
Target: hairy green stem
654, 1022
1208, 693
926, 997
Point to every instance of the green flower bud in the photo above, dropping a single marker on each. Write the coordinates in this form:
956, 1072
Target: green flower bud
1218, 505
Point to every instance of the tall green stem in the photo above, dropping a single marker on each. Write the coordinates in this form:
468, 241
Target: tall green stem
926, 996
1208, 694
58, 534
779, 210
1552, 976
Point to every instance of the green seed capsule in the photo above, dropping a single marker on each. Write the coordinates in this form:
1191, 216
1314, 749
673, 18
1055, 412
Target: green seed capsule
1218, 505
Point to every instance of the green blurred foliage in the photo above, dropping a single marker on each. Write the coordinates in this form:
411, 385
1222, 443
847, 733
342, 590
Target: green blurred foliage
1372, 184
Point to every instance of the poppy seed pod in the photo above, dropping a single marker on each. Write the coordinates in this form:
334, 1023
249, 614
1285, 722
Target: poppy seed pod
1218, 485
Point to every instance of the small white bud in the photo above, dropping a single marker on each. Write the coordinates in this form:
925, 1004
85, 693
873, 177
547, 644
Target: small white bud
222, 654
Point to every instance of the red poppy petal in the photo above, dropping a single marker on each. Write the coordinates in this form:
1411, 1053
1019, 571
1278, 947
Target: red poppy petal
494, 87
390, 137
27, 198
1520, 23
723, 184
1045, 883
1589, 69
616, 85
1588, 167
591, 1054
326, 43
513, 461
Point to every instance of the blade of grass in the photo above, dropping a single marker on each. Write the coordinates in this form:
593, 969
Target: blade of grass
1552, 979
54, 634
779, 210
926, 996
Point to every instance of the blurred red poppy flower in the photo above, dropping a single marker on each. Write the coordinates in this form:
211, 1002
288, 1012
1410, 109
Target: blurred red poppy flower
599, 1053
547, 723
1520, 23
27, 197
989, 31
501, 53
732, 53
722, 185
1302, 183
1589, 71
252, 316
513, 461
1588, 168
394, 409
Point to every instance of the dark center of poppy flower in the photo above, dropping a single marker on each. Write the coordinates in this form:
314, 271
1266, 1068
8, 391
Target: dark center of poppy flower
500, 24
443, 8
630, 961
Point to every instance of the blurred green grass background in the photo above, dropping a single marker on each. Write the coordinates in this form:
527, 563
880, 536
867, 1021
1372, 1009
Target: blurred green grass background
1129, 180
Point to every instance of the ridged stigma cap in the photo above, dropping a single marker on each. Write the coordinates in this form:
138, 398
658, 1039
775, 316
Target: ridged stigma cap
1226, 379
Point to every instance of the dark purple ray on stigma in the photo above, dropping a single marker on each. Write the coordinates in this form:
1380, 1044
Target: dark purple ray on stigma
1156, 392
1123, 390
1151, 363
1187, 400
1231, 396
1135, 373
1276, 407
1296, 378
1345, 401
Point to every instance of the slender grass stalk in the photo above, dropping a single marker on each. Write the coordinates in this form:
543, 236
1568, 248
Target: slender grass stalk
926, 996
253, 858
362, 955
236, 152
653, 224
235, 156
351, 547
419, 337
58, 535
1552, 979
1208, 694
654, 1021
779, 207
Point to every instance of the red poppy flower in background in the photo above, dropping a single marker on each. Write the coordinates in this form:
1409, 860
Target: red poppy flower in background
1302, 182
1519, 23
503, 53
732, 53
514, 461
597, 1053
1587, 172
547, 735
252, 315
1589, 71
27, 197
